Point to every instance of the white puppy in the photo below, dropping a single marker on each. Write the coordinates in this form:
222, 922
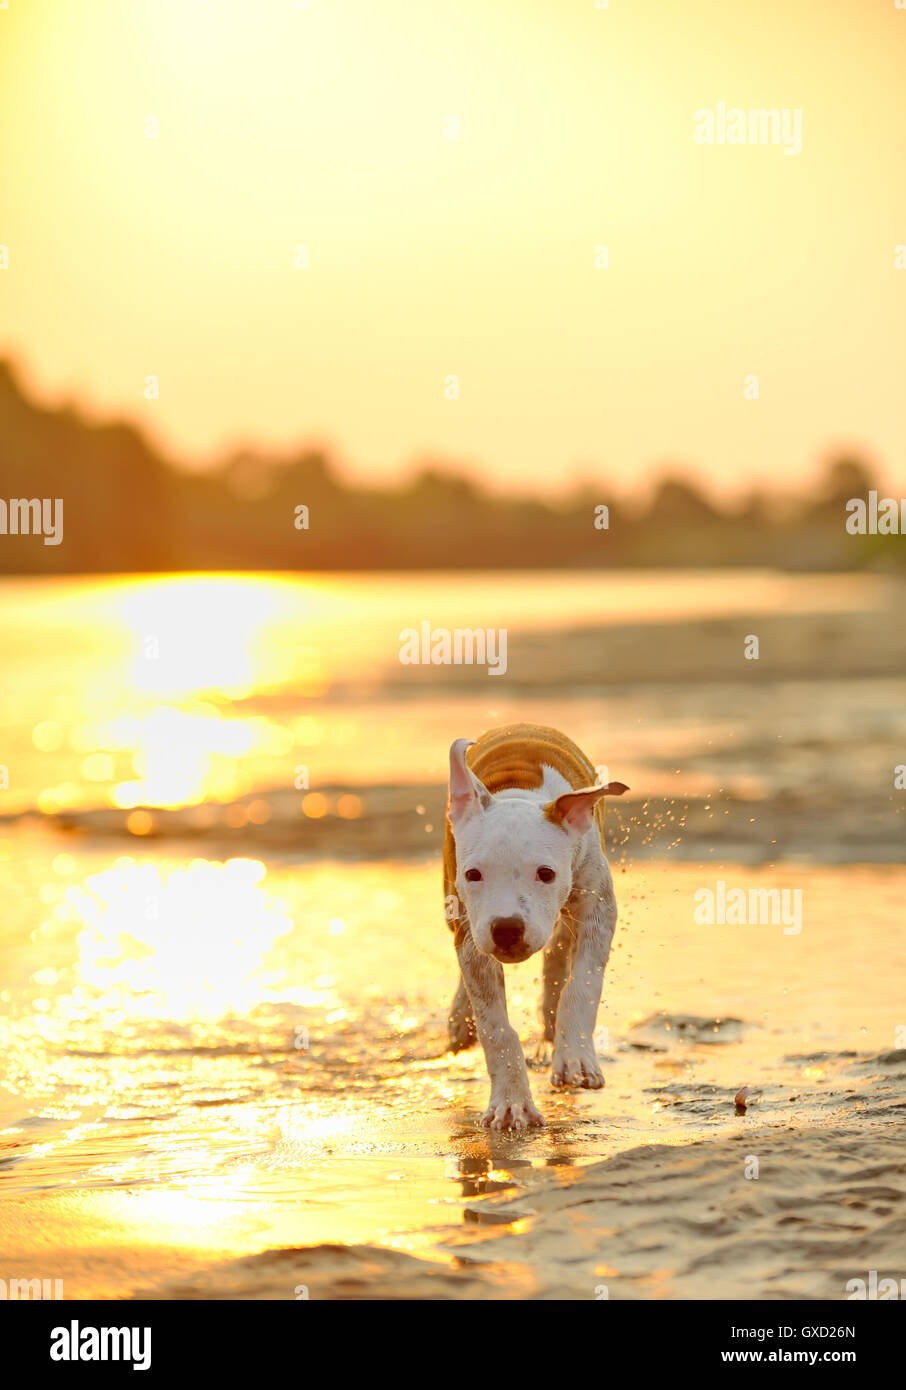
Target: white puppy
524, 869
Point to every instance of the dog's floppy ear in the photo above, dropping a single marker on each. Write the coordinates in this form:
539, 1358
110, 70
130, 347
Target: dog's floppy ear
467, 793
574, 810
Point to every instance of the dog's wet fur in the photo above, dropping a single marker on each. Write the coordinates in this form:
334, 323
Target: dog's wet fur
525, 871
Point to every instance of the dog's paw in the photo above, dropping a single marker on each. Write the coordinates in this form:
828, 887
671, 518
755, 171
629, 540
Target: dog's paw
576, 1069
512, 1114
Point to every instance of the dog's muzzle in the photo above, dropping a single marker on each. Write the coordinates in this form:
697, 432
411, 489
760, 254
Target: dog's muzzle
508, 936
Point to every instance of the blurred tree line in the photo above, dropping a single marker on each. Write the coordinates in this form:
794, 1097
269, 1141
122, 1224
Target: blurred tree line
128, 509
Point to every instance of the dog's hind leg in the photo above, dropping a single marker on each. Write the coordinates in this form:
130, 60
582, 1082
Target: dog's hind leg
463, 1032
557, 959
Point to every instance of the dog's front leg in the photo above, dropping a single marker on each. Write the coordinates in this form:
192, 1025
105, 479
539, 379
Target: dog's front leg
511, 1105
594, 912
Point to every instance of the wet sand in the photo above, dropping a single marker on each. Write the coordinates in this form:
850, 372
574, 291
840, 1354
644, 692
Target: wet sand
653, 1223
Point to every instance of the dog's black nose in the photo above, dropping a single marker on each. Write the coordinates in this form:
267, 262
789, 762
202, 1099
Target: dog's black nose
507, 933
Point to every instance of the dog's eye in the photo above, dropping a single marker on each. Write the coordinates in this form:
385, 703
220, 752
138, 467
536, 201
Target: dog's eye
473, 875
546, 875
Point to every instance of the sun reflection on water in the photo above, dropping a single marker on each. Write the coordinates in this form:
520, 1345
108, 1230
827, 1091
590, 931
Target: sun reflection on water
187, 944
175, 755
199, 633
172, 718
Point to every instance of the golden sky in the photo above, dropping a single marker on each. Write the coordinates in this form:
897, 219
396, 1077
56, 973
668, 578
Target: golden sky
326, 125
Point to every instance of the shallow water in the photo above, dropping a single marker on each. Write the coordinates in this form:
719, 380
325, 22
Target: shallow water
181, 691
230, 1043
210, 1058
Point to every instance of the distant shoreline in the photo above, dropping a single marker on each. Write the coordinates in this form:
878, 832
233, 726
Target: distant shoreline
131, 510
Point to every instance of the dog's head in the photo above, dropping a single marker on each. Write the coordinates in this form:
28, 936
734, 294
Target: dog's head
515, 858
